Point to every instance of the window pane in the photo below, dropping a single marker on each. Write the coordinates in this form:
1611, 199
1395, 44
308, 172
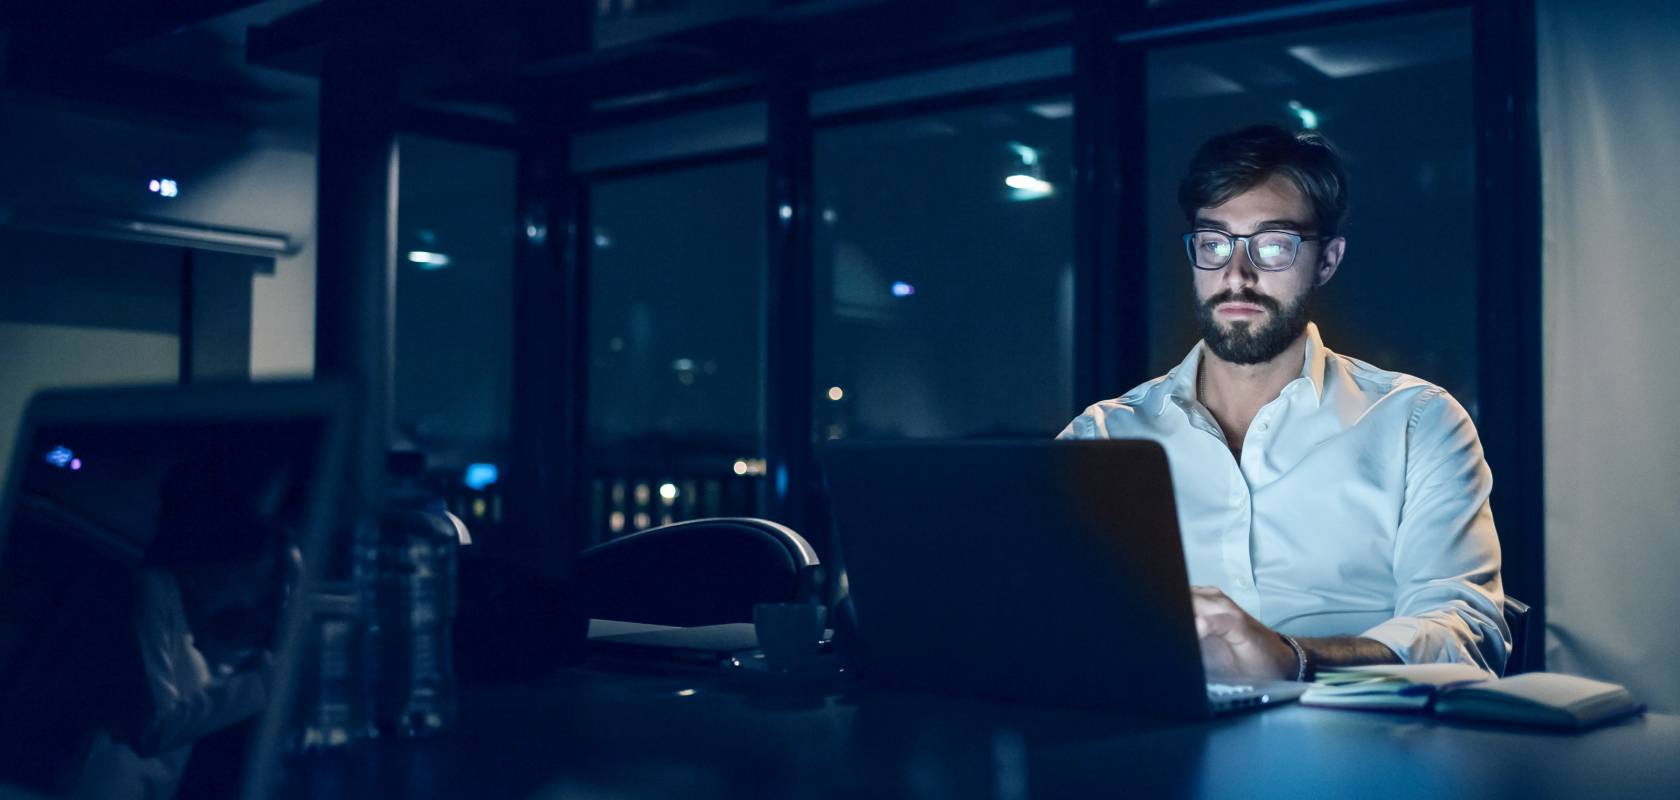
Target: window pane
454, 325
1395, 97
675, 384
944, 274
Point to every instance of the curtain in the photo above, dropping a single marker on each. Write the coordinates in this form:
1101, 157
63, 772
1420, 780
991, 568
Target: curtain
1610, 146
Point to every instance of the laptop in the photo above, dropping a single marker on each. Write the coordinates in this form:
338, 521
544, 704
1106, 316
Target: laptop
154, 541
1048, 572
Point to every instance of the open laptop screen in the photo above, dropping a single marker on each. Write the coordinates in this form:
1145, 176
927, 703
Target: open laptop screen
144, 566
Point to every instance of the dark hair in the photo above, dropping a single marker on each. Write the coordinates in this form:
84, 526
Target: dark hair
1232, 163
211, 515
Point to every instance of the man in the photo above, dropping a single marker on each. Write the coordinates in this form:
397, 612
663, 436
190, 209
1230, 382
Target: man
206, 603
1333, 513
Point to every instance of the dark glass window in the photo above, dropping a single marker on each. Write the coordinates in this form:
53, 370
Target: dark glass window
454, 316
1395, 97
676, 272
944, 274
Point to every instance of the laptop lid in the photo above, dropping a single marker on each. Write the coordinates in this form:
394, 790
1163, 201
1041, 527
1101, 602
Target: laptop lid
1039, 571
149, 541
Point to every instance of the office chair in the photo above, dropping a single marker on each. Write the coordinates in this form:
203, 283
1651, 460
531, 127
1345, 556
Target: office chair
1525, 640
700, 572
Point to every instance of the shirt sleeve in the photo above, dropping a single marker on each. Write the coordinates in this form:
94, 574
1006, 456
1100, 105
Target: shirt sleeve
186, 703
1448, 596
1085, 426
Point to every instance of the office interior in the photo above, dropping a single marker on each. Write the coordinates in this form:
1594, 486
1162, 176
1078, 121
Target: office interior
618, 264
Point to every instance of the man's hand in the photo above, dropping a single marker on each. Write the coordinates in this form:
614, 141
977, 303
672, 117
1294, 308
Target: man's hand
1234, 644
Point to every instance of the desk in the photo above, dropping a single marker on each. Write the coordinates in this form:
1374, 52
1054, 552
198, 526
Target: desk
591, 733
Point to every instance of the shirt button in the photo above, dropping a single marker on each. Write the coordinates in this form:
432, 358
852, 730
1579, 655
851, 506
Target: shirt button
1242, 582
1265, 425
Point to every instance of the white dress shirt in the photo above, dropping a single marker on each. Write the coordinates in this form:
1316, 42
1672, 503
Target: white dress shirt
188, 703
1359, 506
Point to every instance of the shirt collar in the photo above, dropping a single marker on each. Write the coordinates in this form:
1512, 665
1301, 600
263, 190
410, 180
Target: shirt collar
1180, 383
1317, 358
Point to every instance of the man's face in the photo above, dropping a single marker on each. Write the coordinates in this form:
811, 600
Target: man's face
1247, 315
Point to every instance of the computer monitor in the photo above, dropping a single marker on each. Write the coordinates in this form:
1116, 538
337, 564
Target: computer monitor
150, 542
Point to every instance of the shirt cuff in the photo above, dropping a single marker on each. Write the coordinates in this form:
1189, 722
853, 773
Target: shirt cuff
1422, 641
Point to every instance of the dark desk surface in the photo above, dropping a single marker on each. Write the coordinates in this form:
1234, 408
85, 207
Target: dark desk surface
593, 733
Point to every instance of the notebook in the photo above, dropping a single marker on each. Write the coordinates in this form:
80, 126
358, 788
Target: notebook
1465, 692
1395, 687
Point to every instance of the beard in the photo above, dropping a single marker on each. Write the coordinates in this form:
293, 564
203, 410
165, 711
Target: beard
1241, 342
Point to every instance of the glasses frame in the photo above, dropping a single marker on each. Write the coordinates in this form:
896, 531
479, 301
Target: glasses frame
1190, 248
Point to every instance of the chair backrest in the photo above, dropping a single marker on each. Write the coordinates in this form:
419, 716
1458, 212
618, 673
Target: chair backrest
1525, 641
700, 572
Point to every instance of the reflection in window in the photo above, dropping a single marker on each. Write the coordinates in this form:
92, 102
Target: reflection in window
944, 274
1395, 97
454, 331
675, 316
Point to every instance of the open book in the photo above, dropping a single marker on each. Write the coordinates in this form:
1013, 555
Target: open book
1463, 691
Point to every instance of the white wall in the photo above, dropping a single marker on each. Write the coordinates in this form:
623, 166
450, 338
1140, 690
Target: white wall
79, 311
283, 311
1610, 142
228, 176
271, 184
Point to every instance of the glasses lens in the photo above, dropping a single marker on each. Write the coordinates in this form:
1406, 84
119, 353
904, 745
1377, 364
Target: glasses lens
1211, 249
1272, 250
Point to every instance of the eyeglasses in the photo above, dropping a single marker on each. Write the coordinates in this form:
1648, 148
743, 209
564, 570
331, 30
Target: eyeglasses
1271, 251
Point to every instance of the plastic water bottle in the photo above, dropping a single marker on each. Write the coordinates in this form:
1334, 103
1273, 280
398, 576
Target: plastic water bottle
415, 594
335, 696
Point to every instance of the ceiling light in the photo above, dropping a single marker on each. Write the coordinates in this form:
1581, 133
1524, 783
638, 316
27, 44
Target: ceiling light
428, 260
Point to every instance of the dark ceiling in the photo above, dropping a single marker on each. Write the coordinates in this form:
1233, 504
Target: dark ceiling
254, 63
180, 60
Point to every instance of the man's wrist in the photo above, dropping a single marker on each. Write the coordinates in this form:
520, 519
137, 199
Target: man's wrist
1303, 669
1344, 651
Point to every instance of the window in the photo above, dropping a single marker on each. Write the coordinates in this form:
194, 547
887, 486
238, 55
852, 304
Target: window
675, 415
454, 343
944, 274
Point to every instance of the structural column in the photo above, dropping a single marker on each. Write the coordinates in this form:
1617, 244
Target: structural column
1111, 345
548, 479
356, 195
1510, 408
790, 470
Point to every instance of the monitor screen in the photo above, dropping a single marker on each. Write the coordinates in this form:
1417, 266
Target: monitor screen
144, 567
